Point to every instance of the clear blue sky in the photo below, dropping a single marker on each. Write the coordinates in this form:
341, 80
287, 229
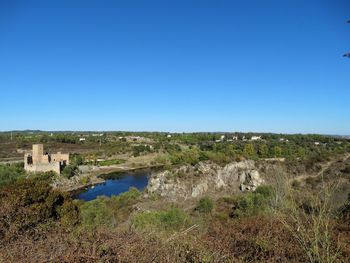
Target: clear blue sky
265, 66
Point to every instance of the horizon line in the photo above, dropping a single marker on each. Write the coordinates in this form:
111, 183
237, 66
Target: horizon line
175, 132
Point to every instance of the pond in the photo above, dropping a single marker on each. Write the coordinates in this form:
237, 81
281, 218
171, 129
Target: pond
115, 184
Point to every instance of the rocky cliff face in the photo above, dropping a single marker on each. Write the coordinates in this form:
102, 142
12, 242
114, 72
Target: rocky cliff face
205, 177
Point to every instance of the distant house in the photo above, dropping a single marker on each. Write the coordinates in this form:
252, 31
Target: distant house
222, 137
138, 139
168, 136
255, 138
97, 134
82, 139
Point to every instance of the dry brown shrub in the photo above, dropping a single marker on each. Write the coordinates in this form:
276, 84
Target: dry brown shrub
254, 239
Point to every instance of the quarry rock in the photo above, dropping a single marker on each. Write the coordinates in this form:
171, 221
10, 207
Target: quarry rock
195, 181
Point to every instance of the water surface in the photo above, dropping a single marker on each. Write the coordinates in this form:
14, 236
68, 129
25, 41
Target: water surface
116, 184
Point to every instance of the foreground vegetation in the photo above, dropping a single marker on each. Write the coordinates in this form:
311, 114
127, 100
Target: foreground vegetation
275, 223
285, 221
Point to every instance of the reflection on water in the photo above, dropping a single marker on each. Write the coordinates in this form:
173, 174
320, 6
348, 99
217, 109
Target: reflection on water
121, 183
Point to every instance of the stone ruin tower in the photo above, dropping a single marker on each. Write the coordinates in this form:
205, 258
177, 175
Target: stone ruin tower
39, 161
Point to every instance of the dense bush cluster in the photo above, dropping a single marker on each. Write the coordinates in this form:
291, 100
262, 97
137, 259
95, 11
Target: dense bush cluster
29, 204
108, 212
254, 203
172, 219
140, 149
9, 173
70, 171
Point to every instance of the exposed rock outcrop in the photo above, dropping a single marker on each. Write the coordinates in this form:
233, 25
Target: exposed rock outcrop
205, 177
250, 180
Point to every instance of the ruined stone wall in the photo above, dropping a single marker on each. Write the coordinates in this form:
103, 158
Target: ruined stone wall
43, 167
45, 159
60, 157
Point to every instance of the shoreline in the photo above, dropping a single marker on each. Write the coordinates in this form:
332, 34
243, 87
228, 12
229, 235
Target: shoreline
95, 178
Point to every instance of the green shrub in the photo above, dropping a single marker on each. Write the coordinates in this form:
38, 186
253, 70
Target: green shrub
246, 205
68, 214
76, 159
108, 212
205, 205
162, 160
172, 219
265, 190
126, 199
96, 213
219, 158
190, 156
254, 203
70, 170
44, 176
140, 149
85, 180
9, 173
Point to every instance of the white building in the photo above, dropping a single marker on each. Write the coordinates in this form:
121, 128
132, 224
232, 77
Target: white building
283, 140
255, 138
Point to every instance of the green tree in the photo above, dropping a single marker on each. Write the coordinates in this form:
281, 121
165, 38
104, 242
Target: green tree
277, 151
301, 152
263, 150
70, 170
249, 150
76, 159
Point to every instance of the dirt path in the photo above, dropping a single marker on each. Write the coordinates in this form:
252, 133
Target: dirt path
324, 168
